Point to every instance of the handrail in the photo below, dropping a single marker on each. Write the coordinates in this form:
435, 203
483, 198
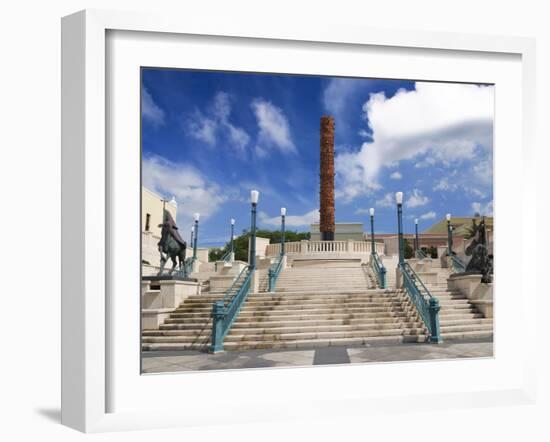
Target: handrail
428, 309
273, 273
225, 258
226, 310
187, 267
420, 254
457, 265
380, 270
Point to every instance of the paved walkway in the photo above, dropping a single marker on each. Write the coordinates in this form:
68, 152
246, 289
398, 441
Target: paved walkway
158, 362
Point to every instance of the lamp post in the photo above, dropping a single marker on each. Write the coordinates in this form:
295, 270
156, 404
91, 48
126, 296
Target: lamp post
254, 195
192, 235
449, 235
283, 215
232, 235
416, 242
399, 201
196, 216
371, 211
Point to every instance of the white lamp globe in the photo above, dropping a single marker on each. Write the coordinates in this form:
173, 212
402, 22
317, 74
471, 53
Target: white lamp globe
371, 211
232, 222
283, 211
399, 198
448, 216
254, 196
416, 221
196, 216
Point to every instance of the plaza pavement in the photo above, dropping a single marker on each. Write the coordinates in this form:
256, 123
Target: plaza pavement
164, 362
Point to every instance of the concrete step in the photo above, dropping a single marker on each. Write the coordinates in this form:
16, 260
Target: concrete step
310, 304
466, 327
318, 335
467, 335
458, 315
324, 294
186, 335
323, 322
186, 326
316, 343
317, 311
174, 346
443, 321
322, 287
318, 317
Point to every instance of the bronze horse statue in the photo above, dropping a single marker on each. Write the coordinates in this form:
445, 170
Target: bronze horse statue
171, 245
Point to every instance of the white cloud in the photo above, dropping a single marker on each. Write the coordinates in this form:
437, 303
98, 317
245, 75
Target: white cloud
483, 209
336, 95
362, 212
274, 127
443, 184
387, 201
291, 220
202, 128
428, 215
150, 110
193, 193
443, 122
396, 175
417, 199
206, 128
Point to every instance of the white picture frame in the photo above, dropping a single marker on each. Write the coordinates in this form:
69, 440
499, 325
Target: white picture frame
86, 203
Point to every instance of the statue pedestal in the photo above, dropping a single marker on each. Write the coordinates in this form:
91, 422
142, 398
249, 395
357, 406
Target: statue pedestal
478, 293
161, 296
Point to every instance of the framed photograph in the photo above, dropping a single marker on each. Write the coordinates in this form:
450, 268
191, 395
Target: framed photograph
265, 210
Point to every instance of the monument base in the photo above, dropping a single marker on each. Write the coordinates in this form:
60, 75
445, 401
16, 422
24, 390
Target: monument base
160, 296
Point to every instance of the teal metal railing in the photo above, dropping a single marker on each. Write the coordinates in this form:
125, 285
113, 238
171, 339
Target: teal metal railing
225, 258
273, 273
426, 305
187, 267
379, 270
226, 310
457, 265
420, 254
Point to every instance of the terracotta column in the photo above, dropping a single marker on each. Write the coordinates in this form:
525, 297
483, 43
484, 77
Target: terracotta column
326, 203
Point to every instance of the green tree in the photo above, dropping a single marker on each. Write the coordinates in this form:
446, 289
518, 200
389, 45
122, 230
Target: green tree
240, 243
215, 254
409, 252
431, 252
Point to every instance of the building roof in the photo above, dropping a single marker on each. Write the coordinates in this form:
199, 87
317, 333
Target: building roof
460, 225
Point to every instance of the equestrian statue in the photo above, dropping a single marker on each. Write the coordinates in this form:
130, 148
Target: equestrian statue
171, 244
482, 260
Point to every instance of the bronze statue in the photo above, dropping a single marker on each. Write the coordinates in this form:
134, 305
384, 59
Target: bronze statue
171, 244
481, 260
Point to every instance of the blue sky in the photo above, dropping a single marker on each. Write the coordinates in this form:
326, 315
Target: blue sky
208, 138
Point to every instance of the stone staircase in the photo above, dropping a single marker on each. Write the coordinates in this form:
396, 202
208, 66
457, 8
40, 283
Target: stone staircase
189, 327
459, 318
312, 306
321, 317
317, 305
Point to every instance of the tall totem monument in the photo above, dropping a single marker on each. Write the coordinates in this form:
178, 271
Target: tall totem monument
326, 204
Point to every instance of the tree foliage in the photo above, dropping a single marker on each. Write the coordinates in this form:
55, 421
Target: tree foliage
241, 242
409, 252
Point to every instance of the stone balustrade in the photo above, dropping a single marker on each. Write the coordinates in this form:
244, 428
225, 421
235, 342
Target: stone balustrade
325, 247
